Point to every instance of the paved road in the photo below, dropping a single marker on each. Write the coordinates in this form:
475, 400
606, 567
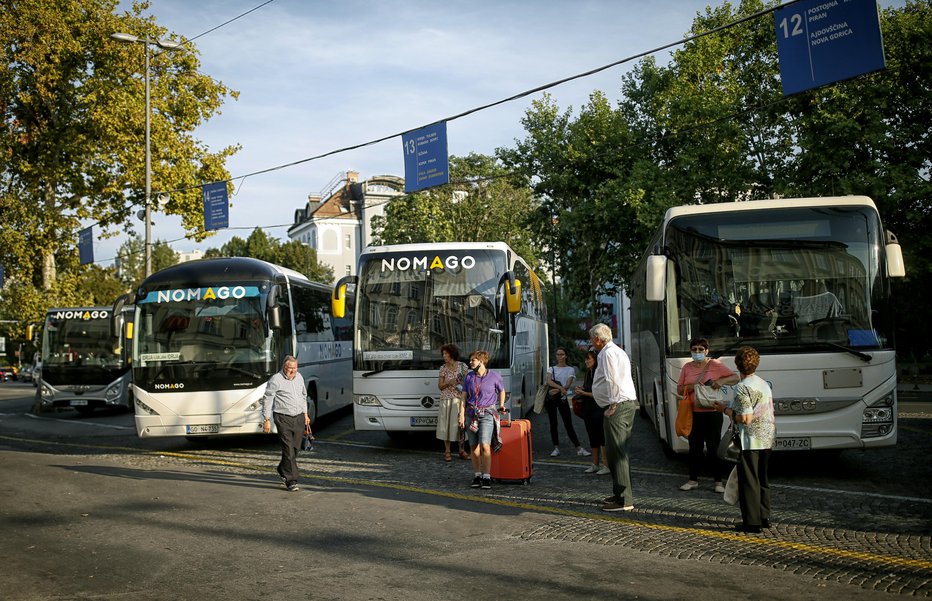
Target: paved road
89, 511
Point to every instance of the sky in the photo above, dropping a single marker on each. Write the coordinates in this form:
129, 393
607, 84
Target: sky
314, 76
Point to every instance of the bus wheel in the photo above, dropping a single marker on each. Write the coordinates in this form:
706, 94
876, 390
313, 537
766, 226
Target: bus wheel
312, 404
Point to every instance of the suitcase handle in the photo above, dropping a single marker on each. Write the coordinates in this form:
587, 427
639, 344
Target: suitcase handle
505, 422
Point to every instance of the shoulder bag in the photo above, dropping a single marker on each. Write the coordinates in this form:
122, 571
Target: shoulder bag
729, 449
706, 396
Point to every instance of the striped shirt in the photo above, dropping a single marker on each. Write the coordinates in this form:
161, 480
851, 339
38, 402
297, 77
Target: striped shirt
288, 397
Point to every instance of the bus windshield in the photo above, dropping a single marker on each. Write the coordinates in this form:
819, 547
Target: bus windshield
77, 348
203, 339
791, 280
409, 306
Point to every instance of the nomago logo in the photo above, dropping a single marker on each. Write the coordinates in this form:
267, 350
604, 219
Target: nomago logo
177, 386
406, 263
85, 315
187, 294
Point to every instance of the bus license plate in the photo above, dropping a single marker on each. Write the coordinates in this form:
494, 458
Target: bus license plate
79, 403
793, 444
203, 429
423, 421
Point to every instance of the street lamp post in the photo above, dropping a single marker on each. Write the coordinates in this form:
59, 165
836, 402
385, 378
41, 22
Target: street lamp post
166, 45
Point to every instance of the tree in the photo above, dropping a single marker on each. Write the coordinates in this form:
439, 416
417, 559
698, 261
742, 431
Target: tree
484, 203
72, 109
293, 254
130, 262
100, 285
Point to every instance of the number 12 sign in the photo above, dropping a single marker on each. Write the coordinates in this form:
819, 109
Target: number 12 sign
824, 41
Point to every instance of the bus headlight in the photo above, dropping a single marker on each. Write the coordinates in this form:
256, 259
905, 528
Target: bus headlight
113, 392
369, 400
145, 408
877, 420
45, 392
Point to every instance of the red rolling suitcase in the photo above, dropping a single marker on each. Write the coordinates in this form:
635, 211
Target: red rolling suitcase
514, 461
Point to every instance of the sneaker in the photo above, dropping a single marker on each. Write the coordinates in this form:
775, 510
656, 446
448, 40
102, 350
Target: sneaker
292, 487
486, 483
617, 507
476, 482
555, 452
591, 470
691, 486
284, 481
719, 488
603, 471
583, 452
611, 499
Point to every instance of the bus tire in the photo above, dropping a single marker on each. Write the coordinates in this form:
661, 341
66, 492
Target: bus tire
312, 403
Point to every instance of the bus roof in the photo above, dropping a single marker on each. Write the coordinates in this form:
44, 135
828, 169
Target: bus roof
778, 203
220, 270
436, 247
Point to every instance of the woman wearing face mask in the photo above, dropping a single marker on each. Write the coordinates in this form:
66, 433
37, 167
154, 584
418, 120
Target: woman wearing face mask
707, 423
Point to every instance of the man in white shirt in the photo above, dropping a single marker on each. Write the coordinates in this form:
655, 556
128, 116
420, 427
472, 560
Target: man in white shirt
613, 390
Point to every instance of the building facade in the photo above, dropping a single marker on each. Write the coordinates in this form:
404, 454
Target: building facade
338, 225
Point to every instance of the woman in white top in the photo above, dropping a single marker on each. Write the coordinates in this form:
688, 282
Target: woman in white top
560, 379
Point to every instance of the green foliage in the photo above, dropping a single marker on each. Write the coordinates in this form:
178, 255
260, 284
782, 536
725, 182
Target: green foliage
484, 203
293, 254
72, 105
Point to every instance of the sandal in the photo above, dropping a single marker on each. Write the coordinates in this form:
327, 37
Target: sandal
464, 454
447, 456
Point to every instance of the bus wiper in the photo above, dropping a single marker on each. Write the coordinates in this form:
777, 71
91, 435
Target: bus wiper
862, 356
378, 370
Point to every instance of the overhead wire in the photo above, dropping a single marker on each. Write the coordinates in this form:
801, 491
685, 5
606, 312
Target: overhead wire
486, 106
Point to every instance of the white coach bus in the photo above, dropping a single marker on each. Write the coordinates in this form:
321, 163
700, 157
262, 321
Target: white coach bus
804, 281
208, 335
411, 299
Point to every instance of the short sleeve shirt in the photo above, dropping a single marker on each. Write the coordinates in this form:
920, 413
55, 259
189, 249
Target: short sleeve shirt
482, 391
445, 372
754, 397
562, 375
691, 372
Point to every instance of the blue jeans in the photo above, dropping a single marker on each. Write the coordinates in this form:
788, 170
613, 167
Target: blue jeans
484, 435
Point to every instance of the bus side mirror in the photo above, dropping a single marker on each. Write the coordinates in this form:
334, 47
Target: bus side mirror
338, 298
656, 277
274, 311
30, 332
513, 297
116, 318
896, 268
512, 292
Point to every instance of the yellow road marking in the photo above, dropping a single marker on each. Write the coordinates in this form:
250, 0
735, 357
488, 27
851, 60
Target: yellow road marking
764, 542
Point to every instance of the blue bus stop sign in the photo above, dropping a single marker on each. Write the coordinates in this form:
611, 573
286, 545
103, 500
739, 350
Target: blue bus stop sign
216, 206
86, 245
426, 160
824, 41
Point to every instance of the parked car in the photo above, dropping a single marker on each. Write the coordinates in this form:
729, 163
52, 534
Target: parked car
25, 373
7, 372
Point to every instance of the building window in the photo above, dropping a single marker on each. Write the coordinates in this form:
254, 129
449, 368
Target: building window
349, 241
349, 270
